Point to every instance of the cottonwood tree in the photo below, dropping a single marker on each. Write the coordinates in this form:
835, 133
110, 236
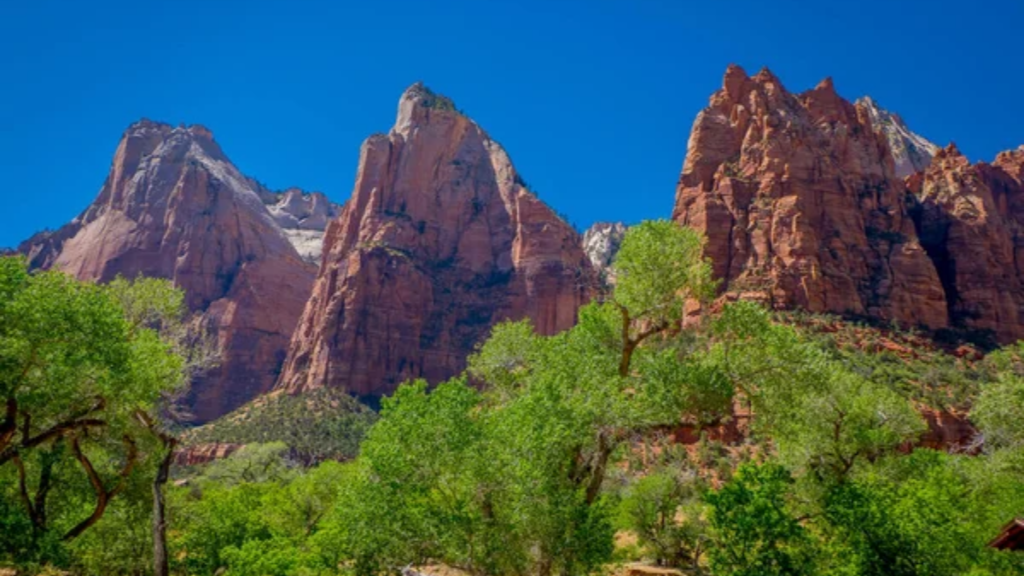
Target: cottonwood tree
155, 306
74, 372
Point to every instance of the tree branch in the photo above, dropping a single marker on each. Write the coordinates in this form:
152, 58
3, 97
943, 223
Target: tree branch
103, 496
10, 424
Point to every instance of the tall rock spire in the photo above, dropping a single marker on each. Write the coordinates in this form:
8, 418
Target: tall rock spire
439, 241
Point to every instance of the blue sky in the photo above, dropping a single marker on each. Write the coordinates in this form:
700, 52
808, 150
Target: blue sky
593, 99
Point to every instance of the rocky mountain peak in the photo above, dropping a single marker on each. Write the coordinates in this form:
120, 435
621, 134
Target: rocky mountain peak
439, 241
601, 242
800, 205
419, 106
911, 152
174, 206
969, 217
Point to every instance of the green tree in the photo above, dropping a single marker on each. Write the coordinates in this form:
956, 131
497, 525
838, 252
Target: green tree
510, 481
73, 373
665, 509
155, 305
821, 417
753, 530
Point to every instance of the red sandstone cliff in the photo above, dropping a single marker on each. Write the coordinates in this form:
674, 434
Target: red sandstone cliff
970, 218
801, 206
173, 206
799, 200
439, 241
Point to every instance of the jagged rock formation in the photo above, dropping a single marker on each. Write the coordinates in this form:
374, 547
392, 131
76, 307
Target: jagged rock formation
601, 242
910, 152
303, 216
439, 241
173, 206
970, 218
798, 197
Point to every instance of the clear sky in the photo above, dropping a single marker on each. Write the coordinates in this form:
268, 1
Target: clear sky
593, 99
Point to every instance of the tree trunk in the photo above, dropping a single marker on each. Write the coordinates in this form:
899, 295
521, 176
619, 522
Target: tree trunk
103, 496
160, 564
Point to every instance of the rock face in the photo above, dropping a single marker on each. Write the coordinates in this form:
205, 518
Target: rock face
439, 241
204, 453
304, 217
911, 153
970, 218
173, 206
601, 242
798, 197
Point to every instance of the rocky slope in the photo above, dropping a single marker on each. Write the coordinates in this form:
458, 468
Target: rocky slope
970, 218
173, 206
910, 152
439, 241
601, 242
799, 199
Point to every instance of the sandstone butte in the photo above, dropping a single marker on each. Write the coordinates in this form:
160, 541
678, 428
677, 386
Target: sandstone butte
802, 208
439, 241
173, 206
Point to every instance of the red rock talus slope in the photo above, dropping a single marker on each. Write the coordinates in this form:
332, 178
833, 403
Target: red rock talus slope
801, 206
438, 242
173, 206
970, 218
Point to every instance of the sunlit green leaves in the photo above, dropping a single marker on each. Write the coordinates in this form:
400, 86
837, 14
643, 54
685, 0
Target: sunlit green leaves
659, 265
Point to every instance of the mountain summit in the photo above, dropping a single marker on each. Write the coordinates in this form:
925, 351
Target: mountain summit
439, 241
911, 152
173, 206
803, 205
799, 199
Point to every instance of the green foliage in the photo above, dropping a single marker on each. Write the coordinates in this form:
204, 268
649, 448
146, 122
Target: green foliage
434, 101
665, 510
821, 417
659, 265
254, 513
414, 491
753, 531
924, 513
999, 411
76, 367
533, 467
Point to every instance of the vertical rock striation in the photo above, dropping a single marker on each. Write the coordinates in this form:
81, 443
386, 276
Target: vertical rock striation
799, 200
970, 218
439, 241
